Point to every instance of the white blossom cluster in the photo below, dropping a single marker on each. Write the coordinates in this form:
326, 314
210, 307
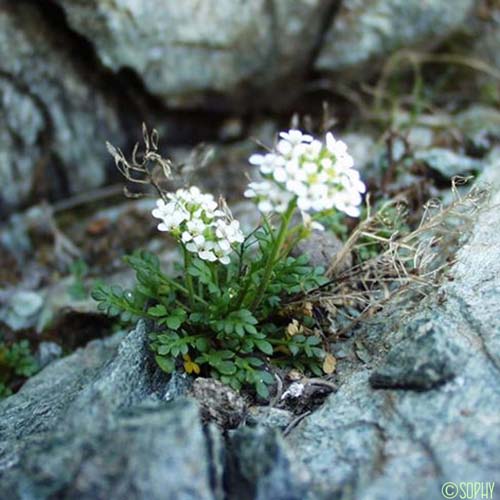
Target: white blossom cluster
319, 175
194, 218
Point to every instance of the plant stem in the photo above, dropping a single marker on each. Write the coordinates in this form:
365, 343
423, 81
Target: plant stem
243, 291
215, 273
184, 290
189, 278
271, 260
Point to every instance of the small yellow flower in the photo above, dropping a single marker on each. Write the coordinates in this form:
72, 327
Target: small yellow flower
190, 366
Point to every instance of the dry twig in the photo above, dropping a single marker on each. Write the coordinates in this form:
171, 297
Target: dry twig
145, 168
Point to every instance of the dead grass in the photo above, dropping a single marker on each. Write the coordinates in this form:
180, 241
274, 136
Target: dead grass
408, 264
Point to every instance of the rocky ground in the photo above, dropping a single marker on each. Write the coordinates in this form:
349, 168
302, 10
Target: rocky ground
420, 411
414, 398
195, 71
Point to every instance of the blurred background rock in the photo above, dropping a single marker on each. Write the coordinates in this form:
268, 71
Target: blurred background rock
76, 73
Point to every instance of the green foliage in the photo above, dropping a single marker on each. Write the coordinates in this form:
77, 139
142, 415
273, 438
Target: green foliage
336, 223
77, 289
390, 220
16, 362
222, 321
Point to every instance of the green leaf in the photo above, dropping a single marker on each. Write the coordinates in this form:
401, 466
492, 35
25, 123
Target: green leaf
176, 318
315, 368
225, 354
250, 328
266, 377
226, 367
202, 344
255, 361
313, 340
200, 270
197, 317
157, 311
247, 345
166, 364
262, 389
264, 346
163, 349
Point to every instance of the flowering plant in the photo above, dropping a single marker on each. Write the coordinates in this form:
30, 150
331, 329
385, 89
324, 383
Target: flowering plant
224, 315
199, 226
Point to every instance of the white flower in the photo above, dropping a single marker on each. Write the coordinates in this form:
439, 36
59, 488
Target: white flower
270, 196
295, 137
171, 215
309, 223
285, 148
194, 219
318, 175
280, 175
230, 232
267, 163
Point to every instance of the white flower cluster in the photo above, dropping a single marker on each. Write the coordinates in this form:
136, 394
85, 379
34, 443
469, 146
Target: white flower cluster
195, 219
319, 175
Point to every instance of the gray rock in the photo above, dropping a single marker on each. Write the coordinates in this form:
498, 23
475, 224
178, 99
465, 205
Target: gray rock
269, 417
368, 31
480, 125
485, 41
93, 425
136, 458
263, 467
48, 352
218, 403
184, 50
54, 114
321, 247
178, 385
448, 163
364, 443
422, 361
362, 148
21, 309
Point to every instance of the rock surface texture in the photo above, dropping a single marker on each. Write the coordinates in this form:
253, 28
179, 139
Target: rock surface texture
75, 73
365, 32
96, 425
182, 49
54, 116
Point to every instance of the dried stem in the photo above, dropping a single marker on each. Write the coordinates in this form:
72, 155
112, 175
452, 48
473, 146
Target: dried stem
411, 262
145, 168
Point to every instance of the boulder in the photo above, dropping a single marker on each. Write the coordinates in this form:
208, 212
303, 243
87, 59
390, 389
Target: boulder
186, 50
96, 425
55, 116
368, 31
262, 467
